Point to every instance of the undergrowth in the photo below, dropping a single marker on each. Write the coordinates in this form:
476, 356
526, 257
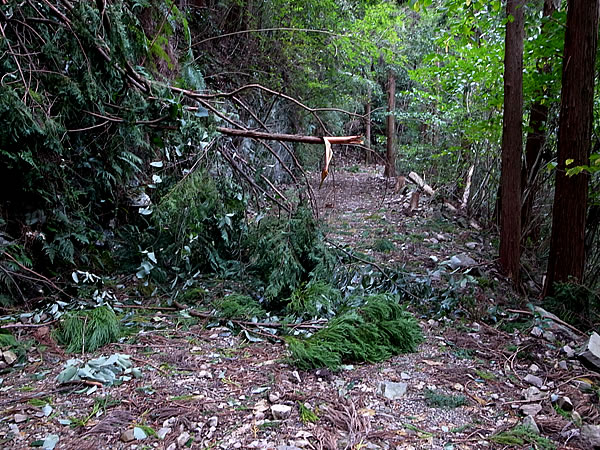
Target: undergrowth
88, 330
375, 331
520, 436
437, 399
237, 306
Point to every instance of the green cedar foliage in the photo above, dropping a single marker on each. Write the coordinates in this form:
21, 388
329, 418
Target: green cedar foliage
88, 330
237, 306
373, 332
286, 253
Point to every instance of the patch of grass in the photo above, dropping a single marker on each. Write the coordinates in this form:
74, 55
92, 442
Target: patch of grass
269, 425
437, 399
485, 375
352, 169
88, 330
384, 246
40, 402
372, 332
307, 415
520, 436
561, 412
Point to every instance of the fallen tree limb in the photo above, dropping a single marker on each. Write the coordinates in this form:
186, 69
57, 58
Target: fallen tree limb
347, 140
419, 182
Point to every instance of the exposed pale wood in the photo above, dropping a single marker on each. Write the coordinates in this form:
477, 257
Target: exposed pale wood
465, 197
414, 200
419, 182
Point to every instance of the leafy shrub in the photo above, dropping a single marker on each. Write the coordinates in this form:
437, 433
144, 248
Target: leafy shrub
375, 331
88, 330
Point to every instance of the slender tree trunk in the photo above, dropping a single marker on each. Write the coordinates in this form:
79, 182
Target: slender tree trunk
567, 251
390, 158
512, 144
536, 139
368, 128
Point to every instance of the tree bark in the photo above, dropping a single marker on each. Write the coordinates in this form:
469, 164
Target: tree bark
536, 139
390, 157
368, 128
567, 251
512, 144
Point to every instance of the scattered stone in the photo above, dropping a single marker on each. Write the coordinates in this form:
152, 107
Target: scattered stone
462, 261
288, 447
563, 365
213, 421
568, 351
549, 336
554, 324
9, 357
531, 409
162, 432
20, 418
296, 376
583, 386
534, 368
183, 438
205, 374
405, 376
565, 403
281, 412
172, 446
274, 397
591, 434
534, 380
529, 422
533, 394
392, 390
536, 331
127, 435
590, 356
576, 417
471, 245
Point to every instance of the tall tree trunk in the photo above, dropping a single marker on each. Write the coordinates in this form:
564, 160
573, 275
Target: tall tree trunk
390, 158
536, 139
512, 144
567, 251
368, 128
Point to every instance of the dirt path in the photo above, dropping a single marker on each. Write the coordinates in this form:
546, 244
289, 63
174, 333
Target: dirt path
204, 388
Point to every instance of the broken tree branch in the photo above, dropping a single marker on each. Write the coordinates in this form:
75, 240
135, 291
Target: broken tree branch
347, 140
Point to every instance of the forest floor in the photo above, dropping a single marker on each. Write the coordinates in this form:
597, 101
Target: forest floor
469, 386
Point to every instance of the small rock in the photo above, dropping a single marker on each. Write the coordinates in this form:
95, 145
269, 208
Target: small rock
281, 412
461, 261
127, 435
288, 447
591, 434
20, 418
533, 380
563, 365
536, 331
213, 421
274, 397
405, 376
172, 446
529, 422
533, 394
183, 438
590, 356
549, 336
162, 432
9, 357
531, 409
392, 390
576, 418
471, 245
583, 386
568, 351
534, 368
205, 374
296, 376
565, 404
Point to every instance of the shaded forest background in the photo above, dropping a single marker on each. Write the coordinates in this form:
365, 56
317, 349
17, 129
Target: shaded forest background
112, 167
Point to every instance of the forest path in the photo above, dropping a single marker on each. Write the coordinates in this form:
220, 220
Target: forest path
206, 388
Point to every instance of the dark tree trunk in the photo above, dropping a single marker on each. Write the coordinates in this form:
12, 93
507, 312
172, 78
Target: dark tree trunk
536, 139
567, 251
512, 144
390, 157
368, 128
